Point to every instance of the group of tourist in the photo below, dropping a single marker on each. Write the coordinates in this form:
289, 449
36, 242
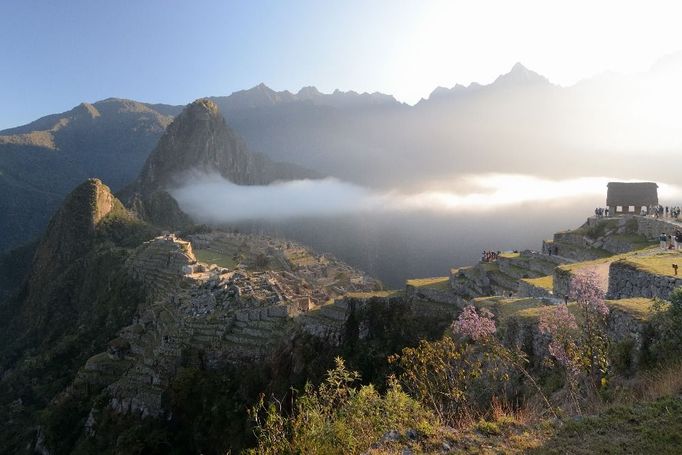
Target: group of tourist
489, 256
656, 211
671, 241
660, 211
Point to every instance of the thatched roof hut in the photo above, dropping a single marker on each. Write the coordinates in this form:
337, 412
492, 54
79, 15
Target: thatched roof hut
639, 194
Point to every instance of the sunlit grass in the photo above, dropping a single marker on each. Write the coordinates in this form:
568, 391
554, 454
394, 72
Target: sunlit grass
370, 294
605, 260
441, 282
638, 307
660, 264
545, 282
504, 308
214, 257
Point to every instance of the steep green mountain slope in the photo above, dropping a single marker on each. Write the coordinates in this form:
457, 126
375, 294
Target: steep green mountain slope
40, 163
76, 296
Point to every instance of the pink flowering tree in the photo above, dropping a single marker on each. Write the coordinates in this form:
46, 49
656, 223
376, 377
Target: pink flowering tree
562, 328
589, 297
578, 340
479, 328
474, 325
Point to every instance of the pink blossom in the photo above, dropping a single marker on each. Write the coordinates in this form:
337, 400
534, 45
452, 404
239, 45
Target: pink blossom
561, 325
473, 325
587, 292
559, 320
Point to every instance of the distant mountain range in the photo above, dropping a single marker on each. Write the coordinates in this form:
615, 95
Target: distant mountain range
520, 123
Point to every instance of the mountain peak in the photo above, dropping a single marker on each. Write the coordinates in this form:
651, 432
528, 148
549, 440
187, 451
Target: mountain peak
308, 92
197, 137
86, 110
72, 229
201, 106
260, 89
520, 75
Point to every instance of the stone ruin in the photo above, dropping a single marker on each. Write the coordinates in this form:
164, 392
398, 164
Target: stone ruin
625, 198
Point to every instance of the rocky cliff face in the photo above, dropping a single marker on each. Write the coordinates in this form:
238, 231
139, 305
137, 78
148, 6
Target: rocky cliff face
199, 139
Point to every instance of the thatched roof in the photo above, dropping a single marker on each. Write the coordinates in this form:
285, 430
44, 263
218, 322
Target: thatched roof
637, 194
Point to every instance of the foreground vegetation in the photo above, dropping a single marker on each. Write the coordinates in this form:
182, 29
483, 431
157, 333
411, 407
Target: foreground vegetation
469, 392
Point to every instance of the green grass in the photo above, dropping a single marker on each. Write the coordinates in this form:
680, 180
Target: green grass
544, 282
640, 308
370, 294
441, 282
642, 428
605, 260
509, 255
504, 308
214, 257
530, 308
659, 264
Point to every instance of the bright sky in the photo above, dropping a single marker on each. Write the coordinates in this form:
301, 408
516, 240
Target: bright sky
57, 54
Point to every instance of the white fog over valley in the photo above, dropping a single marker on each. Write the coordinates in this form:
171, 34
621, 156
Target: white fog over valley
396, 235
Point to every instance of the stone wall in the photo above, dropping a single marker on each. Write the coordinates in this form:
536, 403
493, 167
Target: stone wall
562, 282
527, 289
651, 228
433, 294
627, 280
624, 329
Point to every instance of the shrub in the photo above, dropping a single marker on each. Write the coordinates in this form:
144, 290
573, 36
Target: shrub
462, 376
336, 417
621, 356
666, 325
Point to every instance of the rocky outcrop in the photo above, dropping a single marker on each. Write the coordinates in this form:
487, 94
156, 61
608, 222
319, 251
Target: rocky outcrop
70, 235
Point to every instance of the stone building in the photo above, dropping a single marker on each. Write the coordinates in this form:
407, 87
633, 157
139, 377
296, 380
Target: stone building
629, 198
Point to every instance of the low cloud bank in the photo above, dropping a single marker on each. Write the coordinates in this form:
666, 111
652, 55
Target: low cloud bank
212, 199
